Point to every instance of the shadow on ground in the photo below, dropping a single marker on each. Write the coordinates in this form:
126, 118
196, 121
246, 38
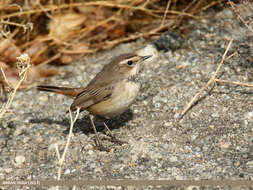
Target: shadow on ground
84, 124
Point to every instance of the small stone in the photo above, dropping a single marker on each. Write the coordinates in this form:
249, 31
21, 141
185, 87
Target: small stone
98, 170
169, 40
224, 145
43, 98
52, 188
157, 105
176, 115
41, 154
250, 164
145, 102
19, 160
88, 147
19, 131
249, 116
173, 159
237, 164
215, 114
90, 152
52, 147
26, 139
168, 124
67, 171
8, 170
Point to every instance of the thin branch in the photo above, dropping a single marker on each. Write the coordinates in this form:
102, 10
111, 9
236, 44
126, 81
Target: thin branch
166, 11
234, 83
189, 105
23, 66
94, 3
61, 158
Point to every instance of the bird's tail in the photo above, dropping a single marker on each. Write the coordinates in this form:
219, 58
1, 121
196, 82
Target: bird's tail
60, 90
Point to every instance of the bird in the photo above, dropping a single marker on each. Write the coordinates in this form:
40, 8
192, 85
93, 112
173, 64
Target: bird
109, 93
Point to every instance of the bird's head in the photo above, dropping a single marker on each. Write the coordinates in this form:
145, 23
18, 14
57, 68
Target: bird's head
129, 64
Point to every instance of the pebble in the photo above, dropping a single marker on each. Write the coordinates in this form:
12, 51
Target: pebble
67, 171
249, 116
250, 164
19, 160
43, 98
173, 159
19, 131
8, 170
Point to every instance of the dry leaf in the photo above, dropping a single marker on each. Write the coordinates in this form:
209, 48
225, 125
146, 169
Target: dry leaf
61, 27
117, 31
35, 47
33, 74
36, 51
9, 51
74, 53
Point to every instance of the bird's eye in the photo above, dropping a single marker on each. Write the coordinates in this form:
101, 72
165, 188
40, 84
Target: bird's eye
130, 62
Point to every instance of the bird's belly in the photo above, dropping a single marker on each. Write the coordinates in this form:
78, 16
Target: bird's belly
122, 97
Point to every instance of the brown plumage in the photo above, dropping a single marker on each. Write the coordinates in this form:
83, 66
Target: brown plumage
110, 92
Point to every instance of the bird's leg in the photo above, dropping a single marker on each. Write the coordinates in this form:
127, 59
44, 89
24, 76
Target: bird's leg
98, 142
114, 139
109, 131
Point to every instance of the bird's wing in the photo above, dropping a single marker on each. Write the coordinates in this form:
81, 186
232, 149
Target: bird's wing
92, 95
100, 88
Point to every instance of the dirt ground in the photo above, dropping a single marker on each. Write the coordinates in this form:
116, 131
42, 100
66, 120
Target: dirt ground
212, 141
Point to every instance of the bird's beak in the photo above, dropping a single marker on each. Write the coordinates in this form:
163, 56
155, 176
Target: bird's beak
145, 57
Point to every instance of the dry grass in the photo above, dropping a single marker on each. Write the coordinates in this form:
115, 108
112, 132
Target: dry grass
211, 80
63, 31
61, 158
234, 83
23, 65
237, 9
248, 22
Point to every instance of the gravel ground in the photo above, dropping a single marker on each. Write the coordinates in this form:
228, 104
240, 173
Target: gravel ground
212, 141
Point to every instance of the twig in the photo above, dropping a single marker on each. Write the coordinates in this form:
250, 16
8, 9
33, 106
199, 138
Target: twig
61, 158
5, 79
49, 60
23, 66
110, 44
92, 3
25, 26
166, 11
204, 8
236, 11
57, 152
66, 51
189, 105
234, 83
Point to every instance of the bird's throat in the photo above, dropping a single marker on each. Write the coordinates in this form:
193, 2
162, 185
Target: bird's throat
134, 78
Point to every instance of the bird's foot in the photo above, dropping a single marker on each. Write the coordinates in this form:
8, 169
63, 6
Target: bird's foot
99, 145
102, 148
117, 141
113, 138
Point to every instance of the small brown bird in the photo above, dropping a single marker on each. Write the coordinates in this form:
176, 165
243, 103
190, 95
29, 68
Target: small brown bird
111, 91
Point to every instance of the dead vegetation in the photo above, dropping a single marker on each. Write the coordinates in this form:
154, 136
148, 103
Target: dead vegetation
62, 31
23, 66
247, 21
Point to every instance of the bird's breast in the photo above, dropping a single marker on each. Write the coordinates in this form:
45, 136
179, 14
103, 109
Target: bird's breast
122, 97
